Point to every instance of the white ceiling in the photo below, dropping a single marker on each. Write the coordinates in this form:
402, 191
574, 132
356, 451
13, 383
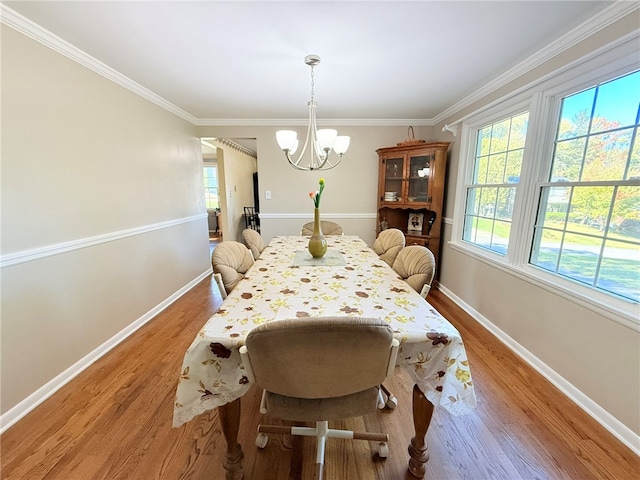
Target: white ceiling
240, 62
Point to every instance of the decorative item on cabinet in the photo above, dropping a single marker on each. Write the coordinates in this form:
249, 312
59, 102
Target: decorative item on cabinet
415, 223
411, 179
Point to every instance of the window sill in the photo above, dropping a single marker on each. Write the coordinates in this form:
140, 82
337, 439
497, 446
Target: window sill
616, 309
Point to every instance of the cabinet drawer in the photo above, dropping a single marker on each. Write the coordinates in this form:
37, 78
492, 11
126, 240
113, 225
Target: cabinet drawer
417, 241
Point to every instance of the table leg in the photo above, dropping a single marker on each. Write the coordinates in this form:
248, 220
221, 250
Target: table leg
230, 423
418, 450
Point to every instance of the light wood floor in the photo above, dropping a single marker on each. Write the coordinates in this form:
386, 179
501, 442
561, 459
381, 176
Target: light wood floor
114, 422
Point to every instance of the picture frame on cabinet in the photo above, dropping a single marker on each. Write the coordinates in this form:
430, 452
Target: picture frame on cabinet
415, 222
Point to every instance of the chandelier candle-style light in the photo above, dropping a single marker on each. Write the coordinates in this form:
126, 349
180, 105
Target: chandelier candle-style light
320, 142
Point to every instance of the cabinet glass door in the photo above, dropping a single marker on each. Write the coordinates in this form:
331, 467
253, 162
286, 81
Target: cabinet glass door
419, 173
393, 180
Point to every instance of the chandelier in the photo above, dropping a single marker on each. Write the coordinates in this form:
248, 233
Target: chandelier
320, 142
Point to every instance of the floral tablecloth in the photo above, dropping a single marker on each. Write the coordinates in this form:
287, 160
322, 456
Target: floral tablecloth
431, 349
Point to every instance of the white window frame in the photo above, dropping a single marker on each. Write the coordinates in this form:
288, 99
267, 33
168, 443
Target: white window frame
467, 151
210, 164
542, 99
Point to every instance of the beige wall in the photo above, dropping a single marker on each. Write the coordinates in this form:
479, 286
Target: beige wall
598, 357
83, 157
103, 216
351, 188
235, 179
553, 333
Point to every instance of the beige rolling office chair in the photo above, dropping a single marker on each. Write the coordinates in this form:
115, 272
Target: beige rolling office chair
320, 369
253, 241
231, 260
417, 266
327, 227
388, 244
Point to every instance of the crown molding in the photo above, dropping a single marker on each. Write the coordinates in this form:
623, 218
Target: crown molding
230, 143
596, 23
34, 31
338, 122
606, 17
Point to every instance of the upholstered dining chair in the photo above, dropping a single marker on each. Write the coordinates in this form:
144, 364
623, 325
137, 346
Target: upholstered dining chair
220, 284
320, 369
388, 244
231, 260
417, 266
254, 242
328, 228
251, 218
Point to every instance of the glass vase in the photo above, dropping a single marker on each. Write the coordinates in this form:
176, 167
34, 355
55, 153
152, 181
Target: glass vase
317, 242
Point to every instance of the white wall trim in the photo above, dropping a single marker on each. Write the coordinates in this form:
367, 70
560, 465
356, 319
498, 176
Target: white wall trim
287, 216
600, 21
337, 122
49, 250
36, 398
629, 37
620, 311
40, 34
604, 418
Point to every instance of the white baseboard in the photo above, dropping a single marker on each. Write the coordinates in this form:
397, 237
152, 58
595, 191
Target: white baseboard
604, 418
36, 398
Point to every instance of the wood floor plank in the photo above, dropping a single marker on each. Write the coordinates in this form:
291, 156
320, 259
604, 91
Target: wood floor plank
113, 421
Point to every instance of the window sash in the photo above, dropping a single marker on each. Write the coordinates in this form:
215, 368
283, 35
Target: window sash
495, 167
543, 99
582, 244
211, 187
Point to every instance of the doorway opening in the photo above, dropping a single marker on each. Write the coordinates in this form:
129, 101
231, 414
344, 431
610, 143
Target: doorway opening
229, 172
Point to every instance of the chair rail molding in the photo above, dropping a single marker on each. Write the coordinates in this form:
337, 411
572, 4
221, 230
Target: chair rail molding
324, 214
55, 249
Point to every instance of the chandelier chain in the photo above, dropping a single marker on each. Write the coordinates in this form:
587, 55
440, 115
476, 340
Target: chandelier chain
312, 85
320, 142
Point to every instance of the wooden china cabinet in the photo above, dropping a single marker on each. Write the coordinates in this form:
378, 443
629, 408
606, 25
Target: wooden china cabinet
411, 189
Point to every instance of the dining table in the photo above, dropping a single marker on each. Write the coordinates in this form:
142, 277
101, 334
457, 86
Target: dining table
349, 280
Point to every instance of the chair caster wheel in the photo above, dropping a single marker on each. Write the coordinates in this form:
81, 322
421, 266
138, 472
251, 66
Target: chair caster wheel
392, 402
261, 440
383, 450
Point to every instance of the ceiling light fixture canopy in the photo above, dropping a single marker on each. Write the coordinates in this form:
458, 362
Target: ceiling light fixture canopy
320, 142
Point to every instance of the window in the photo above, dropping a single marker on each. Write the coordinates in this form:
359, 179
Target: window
549, 183
588, 222
211, 186
492, 190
